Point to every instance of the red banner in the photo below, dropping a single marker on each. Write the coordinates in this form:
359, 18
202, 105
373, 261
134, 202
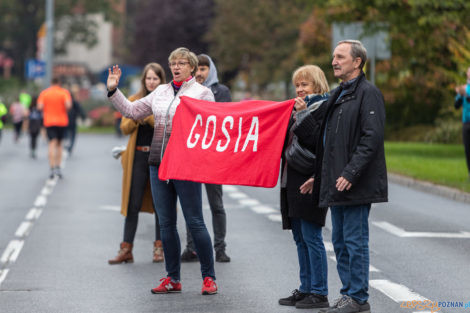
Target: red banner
228, 143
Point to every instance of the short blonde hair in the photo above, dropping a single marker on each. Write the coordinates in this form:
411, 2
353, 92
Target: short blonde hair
314, 74
186, 54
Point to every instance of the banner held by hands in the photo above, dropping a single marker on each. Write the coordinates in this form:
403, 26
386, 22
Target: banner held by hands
234, 143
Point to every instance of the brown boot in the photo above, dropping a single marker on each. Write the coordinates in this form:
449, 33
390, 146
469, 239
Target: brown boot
157, 251
124, 254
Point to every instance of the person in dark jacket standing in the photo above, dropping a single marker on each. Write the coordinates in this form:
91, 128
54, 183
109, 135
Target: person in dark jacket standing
353, 171
298, 208
34, 125
73, 113
206, 75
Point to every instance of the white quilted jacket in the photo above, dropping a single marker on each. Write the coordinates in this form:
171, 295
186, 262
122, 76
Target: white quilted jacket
162, 102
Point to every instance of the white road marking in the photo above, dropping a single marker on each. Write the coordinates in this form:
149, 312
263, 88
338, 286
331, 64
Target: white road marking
33, 214
248, 201
275, 217
396, 292
234, 206
51, 182
328, 246
3, 275
24, 229
46, 190
397, 231
237, 195
40, 201
12, 251
229, 188
263, 209
111, 208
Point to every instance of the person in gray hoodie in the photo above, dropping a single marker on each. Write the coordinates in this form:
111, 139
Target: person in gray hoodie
207, 76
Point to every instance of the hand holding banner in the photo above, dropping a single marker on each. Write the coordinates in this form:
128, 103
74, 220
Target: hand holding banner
234, 143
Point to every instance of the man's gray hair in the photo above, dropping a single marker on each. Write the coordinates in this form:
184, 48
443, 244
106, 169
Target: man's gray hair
357, 50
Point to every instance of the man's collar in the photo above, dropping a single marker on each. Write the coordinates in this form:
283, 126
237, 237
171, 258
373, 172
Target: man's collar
352, 82
347, 84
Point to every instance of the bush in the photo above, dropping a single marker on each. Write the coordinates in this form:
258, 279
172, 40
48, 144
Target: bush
101, 116
417, 133
445, 131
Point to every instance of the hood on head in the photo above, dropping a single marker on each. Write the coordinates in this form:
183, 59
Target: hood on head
212, 77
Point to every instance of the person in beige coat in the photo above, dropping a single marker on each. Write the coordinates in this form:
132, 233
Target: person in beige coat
136, 193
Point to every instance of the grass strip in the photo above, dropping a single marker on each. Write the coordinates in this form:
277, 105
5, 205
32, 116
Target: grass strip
443, 164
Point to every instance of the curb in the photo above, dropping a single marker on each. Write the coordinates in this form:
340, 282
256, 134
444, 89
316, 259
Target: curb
439, 190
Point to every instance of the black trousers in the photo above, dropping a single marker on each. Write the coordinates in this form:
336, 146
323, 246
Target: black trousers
140, 177
33, 140
219, 219
466, 143
17, 128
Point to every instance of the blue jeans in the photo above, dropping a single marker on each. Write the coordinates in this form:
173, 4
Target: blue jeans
350, 238
165, 195
312, 256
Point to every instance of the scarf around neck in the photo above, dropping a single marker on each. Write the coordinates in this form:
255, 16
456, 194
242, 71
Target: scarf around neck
314, 98
177, 85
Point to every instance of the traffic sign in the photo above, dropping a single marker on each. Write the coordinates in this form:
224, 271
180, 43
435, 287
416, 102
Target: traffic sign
35, 69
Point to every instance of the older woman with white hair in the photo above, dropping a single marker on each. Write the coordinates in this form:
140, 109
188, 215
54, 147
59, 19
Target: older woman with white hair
162, 102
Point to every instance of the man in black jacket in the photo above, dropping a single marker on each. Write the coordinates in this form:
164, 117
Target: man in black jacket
207, 75
353, 172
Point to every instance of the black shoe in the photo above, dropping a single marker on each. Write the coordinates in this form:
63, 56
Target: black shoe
221, 256
189, 256
292, 300
58, 172
350, 305
312, 301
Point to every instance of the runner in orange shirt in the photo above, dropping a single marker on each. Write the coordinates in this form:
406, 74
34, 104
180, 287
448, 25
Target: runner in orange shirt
54, 102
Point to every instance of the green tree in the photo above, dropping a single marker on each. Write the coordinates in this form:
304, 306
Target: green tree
160, 26
21, 20
259, 39
430, 48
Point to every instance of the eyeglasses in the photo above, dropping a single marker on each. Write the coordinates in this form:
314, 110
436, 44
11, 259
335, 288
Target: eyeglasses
179, 64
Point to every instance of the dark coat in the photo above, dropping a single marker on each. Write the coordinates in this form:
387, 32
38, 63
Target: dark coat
35, 120
293, 203
354, 147
75, 111
221, 93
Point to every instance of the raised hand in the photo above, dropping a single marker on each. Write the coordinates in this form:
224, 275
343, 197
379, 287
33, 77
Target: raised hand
300, 104
113, 77
460, 90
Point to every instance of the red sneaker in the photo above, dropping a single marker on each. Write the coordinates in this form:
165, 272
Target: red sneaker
209, 287
167, 286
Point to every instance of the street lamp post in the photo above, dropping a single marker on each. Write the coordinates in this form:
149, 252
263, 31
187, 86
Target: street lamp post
49, 41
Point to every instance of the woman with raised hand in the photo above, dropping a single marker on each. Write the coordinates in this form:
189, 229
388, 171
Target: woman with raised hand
163, 103
298, 206
136, 193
